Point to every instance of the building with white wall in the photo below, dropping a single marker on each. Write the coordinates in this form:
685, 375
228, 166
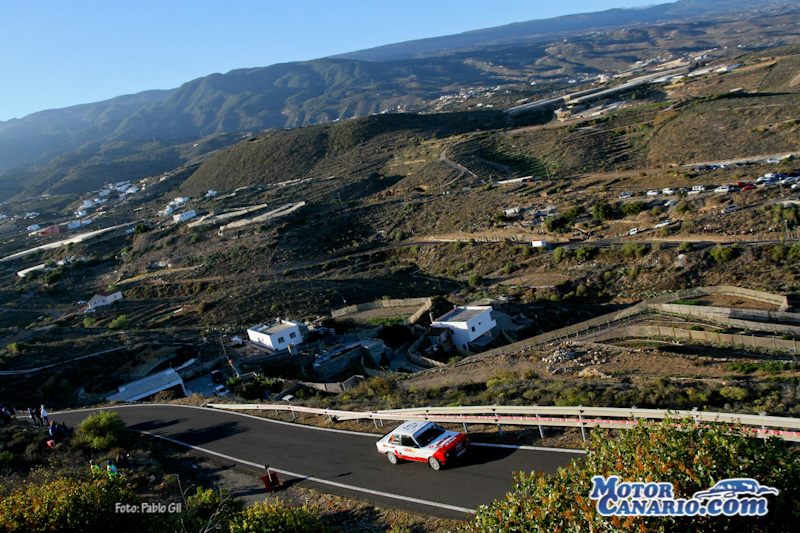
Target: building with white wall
183, 217
105, 298
277, 335
466, 324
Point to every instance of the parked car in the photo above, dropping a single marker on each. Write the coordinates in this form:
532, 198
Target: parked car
699, 188
749, 188
217, 376
693, 192
422, 441
728, 209
626, 194
789, 180
796, 185
662, 224
633, 231
723, 189
670, 203
668, 191
652, 192
221, 390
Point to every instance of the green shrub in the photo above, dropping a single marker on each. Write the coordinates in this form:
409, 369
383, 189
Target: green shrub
121, 322
277, 517
602, 210
89, 322
722, 254
475, 280
685, 247
585, 253
633, 208
68, 503
103, 431
560, 254
632, 250
691, 456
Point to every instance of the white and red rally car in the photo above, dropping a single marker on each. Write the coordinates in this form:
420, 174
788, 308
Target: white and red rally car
424, 442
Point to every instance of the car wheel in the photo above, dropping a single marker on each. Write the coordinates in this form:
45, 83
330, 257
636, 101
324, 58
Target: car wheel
392, 458
434, 463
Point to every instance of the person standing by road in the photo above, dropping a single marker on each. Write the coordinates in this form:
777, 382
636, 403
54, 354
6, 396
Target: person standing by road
34, 414
43, 416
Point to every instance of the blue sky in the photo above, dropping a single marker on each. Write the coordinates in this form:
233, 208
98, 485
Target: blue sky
59, 53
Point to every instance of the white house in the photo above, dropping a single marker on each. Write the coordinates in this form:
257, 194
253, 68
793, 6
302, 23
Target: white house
183, 217
105, 298
74, 225
34, 227
87, 204
277, 335
211, 193
466, 324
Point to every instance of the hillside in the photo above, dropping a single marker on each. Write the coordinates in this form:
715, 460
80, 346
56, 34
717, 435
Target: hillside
108, 138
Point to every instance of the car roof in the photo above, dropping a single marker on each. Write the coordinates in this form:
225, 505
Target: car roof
411, 427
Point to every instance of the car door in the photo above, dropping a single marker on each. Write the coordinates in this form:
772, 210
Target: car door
409, 448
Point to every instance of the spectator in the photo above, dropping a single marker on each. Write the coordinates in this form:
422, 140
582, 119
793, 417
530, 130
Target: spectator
5, 416
34, 414
111, 468
94, 468
124, 461
43, 415
56, 432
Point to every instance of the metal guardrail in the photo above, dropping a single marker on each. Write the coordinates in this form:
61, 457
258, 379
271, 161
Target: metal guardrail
583, 417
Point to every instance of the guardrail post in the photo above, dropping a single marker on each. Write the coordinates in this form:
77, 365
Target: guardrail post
294, 415
466, 430
763, 426
375, 421
541, 431
500, 429
330, 418
583, 429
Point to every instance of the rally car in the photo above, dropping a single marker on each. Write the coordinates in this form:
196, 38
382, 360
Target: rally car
424, 442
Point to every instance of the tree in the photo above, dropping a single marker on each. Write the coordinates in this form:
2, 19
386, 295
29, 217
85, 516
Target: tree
475, 280
602, 210
690, 456
633, 208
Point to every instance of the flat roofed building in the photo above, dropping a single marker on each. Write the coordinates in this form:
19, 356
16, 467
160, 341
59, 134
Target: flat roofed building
149, 386
466, 324
277, 335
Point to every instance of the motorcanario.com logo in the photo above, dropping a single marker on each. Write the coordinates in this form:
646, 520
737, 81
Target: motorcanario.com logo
729, 497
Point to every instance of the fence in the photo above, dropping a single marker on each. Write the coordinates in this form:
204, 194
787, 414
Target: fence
405, 302
642, 307
424, 361
553, 416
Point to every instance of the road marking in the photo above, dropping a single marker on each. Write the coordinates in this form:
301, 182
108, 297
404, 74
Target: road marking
316, 479
263, 419
344, 431
533, 448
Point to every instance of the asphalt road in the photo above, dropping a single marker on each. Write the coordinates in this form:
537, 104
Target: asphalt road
336, 461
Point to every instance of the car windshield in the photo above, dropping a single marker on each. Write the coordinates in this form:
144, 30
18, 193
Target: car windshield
429, 435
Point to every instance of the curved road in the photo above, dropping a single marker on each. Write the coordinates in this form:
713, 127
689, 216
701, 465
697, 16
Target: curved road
338, 461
